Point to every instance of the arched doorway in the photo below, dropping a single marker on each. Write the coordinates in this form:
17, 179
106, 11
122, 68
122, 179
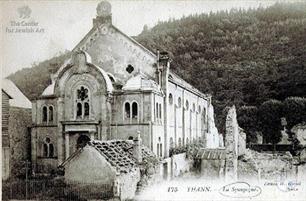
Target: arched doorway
82, 141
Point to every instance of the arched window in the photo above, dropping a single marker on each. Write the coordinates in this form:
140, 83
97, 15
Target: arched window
50, 113
199, 109
48, 148
44, 114
82, 106
134, 110
179, 102
127, 110
157, 110
79, 110
170, 99
187, 105
187, 140
203, 119
160, 112
193, 107
161, 149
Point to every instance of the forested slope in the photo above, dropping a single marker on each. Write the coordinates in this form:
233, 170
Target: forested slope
241, 57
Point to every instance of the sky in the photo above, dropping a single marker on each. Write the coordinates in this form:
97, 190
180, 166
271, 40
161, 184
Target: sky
60, 25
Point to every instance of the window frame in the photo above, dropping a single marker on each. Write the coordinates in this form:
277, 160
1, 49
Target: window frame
78, 101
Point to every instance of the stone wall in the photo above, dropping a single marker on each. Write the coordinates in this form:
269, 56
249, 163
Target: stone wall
235, 144
241, 142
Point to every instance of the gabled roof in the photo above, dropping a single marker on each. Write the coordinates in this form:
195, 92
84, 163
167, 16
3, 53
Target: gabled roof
119, 154
94, 29
18, 98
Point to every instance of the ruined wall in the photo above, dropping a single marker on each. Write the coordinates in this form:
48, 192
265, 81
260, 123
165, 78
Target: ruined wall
231, 144
212, 138
300, 132
241, 142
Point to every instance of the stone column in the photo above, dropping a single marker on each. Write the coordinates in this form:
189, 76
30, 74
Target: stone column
66, 145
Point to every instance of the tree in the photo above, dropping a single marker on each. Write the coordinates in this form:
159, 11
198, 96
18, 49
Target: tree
270, 113
294, 111
247, 117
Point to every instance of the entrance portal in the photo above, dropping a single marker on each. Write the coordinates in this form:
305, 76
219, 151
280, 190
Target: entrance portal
82, 141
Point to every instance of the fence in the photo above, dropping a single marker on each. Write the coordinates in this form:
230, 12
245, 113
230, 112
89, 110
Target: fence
55, 190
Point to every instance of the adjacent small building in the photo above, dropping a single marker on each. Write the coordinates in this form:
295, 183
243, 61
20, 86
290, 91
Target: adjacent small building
16, 120
111, 167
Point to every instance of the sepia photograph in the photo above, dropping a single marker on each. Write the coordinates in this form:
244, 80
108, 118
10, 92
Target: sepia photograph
153, 100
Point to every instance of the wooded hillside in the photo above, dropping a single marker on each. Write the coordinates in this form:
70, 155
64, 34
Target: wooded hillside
240, 57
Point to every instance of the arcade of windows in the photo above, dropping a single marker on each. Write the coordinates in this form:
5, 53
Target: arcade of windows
47, 113
131, 111
82, 103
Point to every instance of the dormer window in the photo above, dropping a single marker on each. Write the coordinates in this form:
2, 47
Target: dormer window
82, 103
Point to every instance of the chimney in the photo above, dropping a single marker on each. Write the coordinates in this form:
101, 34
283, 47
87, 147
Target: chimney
164, 59
137, 148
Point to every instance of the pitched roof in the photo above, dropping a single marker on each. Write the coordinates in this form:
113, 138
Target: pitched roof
18, 98
180, 81
119, 153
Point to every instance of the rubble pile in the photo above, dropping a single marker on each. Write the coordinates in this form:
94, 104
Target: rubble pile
255, 164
